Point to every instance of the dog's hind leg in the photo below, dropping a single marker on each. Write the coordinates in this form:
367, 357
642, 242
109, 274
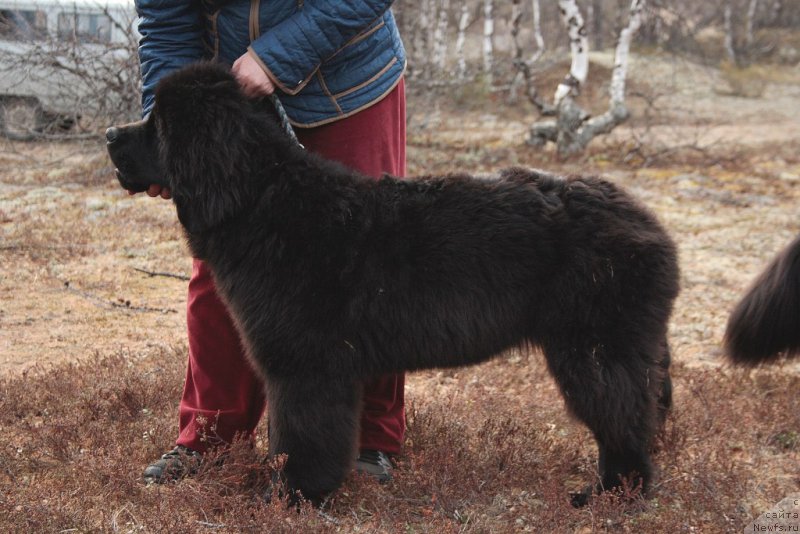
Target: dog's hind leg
315, 422
613, 391
665, 388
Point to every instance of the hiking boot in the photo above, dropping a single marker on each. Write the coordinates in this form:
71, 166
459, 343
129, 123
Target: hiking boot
174, 465
375, 464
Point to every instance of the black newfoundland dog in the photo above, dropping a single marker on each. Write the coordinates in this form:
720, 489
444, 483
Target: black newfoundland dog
333, 277
765, 325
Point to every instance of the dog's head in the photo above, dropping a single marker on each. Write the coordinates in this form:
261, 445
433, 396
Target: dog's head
203, 139
134, 151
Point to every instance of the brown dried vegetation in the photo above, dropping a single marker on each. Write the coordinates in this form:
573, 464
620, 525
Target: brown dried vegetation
489, 451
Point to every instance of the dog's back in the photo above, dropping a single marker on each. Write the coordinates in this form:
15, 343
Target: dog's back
620, 243
766, 323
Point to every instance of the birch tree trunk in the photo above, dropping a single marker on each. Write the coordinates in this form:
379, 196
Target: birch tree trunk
573, 129
422, 39
777, 7
516, 18
579, 49
523, 72
728, 24
537, 31
597, 23
751, 21
440, 38
488, 39
463, 23
516, 54
524, 67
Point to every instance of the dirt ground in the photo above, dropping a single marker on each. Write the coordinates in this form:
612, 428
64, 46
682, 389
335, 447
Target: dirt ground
77, 253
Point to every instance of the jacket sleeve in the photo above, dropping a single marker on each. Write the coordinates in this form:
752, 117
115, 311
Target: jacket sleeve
172, 36
291, 51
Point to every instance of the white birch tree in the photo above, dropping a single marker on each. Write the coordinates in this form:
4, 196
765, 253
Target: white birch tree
488, 39
516, 54
523, 73
579, 50
777, 7
727, 17
421, 38
573, 128
461, 59
750, 22
596, 16
440, 37
537, 31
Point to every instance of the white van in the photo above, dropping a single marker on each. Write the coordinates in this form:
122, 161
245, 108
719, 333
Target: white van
61, 59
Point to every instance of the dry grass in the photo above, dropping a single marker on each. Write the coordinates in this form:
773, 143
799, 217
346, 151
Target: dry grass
490, 455
749, 82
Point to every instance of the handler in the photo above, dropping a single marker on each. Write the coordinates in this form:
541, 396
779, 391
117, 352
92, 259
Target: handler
338, 69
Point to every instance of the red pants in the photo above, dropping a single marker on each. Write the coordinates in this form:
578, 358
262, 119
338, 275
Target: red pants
223, 396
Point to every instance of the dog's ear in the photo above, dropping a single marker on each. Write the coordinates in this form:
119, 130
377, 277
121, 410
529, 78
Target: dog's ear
202, 120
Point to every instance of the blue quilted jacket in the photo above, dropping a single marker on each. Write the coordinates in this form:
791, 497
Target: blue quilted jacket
329, 58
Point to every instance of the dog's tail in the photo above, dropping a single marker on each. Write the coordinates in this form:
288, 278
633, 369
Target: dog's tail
765, 325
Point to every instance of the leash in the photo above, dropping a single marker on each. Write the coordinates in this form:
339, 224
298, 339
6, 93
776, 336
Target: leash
285, 124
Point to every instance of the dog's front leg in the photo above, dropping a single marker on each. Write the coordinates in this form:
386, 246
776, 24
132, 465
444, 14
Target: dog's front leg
314, 420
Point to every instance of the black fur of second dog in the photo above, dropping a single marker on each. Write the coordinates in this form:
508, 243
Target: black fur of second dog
333, 277
764, 326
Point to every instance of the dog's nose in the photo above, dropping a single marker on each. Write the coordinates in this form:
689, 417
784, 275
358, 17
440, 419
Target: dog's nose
112, 134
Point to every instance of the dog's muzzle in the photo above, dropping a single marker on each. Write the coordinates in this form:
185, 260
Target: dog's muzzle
121, 160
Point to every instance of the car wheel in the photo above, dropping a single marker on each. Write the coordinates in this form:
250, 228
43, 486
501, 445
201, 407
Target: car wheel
21, 118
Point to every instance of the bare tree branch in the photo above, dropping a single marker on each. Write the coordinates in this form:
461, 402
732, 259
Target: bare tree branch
161, 273
69, 74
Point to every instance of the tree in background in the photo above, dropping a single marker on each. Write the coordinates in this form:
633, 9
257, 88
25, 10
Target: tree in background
573, 127
70, 78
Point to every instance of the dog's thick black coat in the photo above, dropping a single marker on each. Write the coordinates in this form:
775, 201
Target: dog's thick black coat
765, 324
333, 277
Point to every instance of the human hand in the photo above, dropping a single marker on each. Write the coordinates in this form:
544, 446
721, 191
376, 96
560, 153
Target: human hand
156, 191
251, 77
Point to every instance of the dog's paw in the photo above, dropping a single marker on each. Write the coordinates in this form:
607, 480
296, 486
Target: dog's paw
580, 499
